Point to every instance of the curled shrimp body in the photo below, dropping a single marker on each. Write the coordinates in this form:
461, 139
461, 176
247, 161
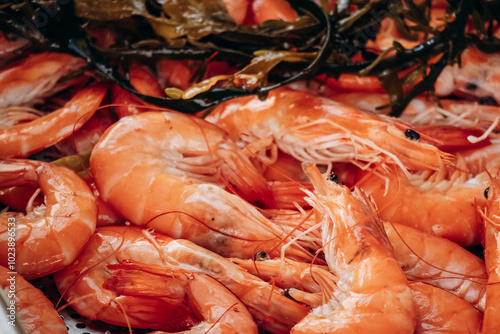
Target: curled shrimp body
319, 130
33, 310
439, 262
165, 171
187, 291
82, 283
441, 312
372, 293
24, 139
49, 237
27, 81
491, 322
446, 200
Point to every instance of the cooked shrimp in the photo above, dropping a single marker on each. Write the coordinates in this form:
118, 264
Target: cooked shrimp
144, 81
35, 77
439, 262
88, 135
34, 311
185, 290
127, 104
81, 284
441, 312
237, 9
446, 201
421, 111
372, 293
26, 138
165, 171
49, 237
319, 130
477, 75
481, 159
491, 322
264, 10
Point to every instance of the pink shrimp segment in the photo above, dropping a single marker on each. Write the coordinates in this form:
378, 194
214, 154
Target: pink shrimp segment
34, 311
319, 130
373, 294
49, 237
26, 138
83, 283
35, 77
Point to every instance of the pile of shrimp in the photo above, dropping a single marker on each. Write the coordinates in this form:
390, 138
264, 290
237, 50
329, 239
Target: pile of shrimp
309, 211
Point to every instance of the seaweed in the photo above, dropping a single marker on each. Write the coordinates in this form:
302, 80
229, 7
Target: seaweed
269, 55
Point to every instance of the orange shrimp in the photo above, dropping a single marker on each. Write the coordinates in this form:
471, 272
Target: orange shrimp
165, 171
480, 159
127, 104
421, 111
34, 311
446, 200
27, 81
491, 322
237, 9
372, 293
264, 10
315, 129
441, 312
24, 139
81, 284
439, 262
88, 135
143, 80
50, 236
389, 32
478, 75
186, 290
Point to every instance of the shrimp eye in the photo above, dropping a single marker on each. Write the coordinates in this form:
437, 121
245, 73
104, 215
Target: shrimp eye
288, 295
261, 256
487, 101
412, 134
334, 178
486, 191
